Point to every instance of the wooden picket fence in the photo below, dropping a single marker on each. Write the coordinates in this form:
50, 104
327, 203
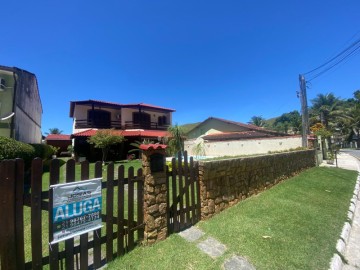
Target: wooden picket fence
91, 250
184, 209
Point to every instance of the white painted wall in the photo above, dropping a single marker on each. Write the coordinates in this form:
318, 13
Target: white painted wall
244, 147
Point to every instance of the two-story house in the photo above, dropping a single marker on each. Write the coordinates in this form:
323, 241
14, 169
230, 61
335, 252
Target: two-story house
20, 105
135, 122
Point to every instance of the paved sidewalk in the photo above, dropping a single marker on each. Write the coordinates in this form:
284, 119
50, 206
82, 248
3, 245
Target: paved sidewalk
349, 243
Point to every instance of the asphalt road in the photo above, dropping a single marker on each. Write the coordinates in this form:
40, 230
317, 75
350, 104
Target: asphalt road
353, 152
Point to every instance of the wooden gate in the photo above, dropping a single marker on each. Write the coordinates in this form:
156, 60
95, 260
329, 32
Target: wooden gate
25, 245
183, 194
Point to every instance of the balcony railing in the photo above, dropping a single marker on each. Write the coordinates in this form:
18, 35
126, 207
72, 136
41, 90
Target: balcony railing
145, 125
89, 124
117, 125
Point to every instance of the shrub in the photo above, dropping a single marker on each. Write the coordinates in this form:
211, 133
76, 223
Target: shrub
169, 164
43, 151
10, 149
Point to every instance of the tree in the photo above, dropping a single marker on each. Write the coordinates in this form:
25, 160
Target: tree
353, 114
258, 121
176, 141
104, 139
326, 108
288, 121
54, 131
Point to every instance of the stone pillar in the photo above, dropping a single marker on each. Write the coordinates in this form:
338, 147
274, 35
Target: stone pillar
155, 192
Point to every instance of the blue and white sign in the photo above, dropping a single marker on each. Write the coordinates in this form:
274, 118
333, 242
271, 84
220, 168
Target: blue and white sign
76, 208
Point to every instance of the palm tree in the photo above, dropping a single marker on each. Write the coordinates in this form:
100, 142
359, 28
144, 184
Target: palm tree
353, 113
176, 141
326, 108
54, 131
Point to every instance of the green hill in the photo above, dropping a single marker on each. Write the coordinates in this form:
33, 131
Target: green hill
187, 127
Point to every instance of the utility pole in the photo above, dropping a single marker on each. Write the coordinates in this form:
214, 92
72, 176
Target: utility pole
304, 111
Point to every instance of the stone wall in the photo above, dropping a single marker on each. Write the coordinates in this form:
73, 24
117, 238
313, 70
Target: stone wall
223, 183
155, 195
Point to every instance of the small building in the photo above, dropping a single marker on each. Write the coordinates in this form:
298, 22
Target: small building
220, 137
61, 141
20, 105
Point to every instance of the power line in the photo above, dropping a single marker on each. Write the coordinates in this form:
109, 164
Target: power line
353, 52
356, 43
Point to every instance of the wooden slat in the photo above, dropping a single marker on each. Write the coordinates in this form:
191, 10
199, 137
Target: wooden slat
54, 248
97, 233
69, 244
192, 191
130, 208
19, 213
181, 191
187, 187
120, 214
176, 224
109, 211
168, 222
7, 225
84, 237
140, 205
36, 226
197, 186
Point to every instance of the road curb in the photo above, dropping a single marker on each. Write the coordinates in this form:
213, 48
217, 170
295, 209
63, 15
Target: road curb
337, 262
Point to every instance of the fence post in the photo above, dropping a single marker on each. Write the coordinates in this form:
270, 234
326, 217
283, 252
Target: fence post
8, 214
155, 192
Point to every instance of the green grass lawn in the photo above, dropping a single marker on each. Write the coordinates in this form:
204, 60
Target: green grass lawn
294, 225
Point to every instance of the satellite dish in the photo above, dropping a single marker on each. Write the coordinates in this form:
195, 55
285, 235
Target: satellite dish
7, 117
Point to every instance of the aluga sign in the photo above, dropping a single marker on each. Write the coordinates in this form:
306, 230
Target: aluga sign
76, 208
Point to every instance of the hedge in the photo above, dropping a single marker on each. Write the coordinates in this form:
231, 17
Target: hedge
11, 149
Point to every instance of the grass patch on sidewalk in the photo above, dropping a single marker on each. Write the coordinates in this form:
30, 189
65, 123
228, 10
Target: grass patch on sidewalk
294, 225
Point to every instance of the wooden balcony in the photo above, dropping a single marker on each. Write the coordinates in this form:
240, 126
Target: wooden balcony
145, 125
81, 123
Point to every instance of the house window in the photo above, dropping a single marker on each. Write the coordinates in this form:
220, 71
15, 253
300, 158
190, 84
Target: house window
162, 120
99, 118
142, 119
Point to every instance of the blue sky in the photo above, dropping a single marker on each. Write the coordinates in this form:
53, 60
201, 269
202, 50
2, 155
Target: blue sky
228, 59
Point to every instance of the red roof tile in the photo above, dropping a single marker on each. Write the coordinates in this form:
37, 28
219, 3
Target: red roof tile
152, 146
245, 126
57, 137
147, 106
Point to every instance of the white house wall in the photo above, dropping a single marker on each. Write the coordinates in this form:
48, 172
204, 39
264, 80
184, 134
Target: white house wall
244, 147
